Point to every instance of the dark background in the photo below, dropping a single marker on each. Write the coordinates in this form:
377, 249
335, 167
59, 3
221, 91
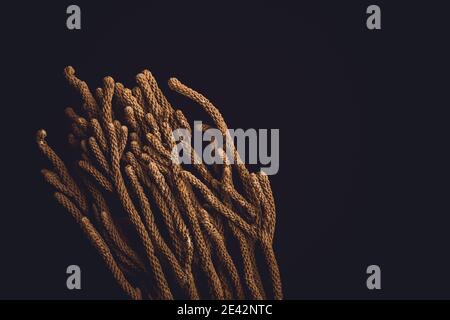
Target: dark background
363, 126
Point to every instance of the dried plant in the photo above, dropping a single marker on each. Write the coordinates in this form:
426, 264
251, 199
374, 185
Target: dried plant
165, 230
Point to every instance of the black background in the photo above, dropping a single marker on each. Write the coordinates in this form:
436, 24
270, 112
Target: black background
363, 126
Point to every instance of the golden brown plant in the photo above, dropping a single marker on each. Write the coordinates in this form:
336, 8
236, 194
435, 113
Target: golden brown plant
165, 230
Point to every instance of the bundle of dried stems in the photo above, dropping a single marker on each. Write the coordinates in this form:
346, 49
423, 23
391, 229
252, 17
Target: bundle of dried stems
165, 230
